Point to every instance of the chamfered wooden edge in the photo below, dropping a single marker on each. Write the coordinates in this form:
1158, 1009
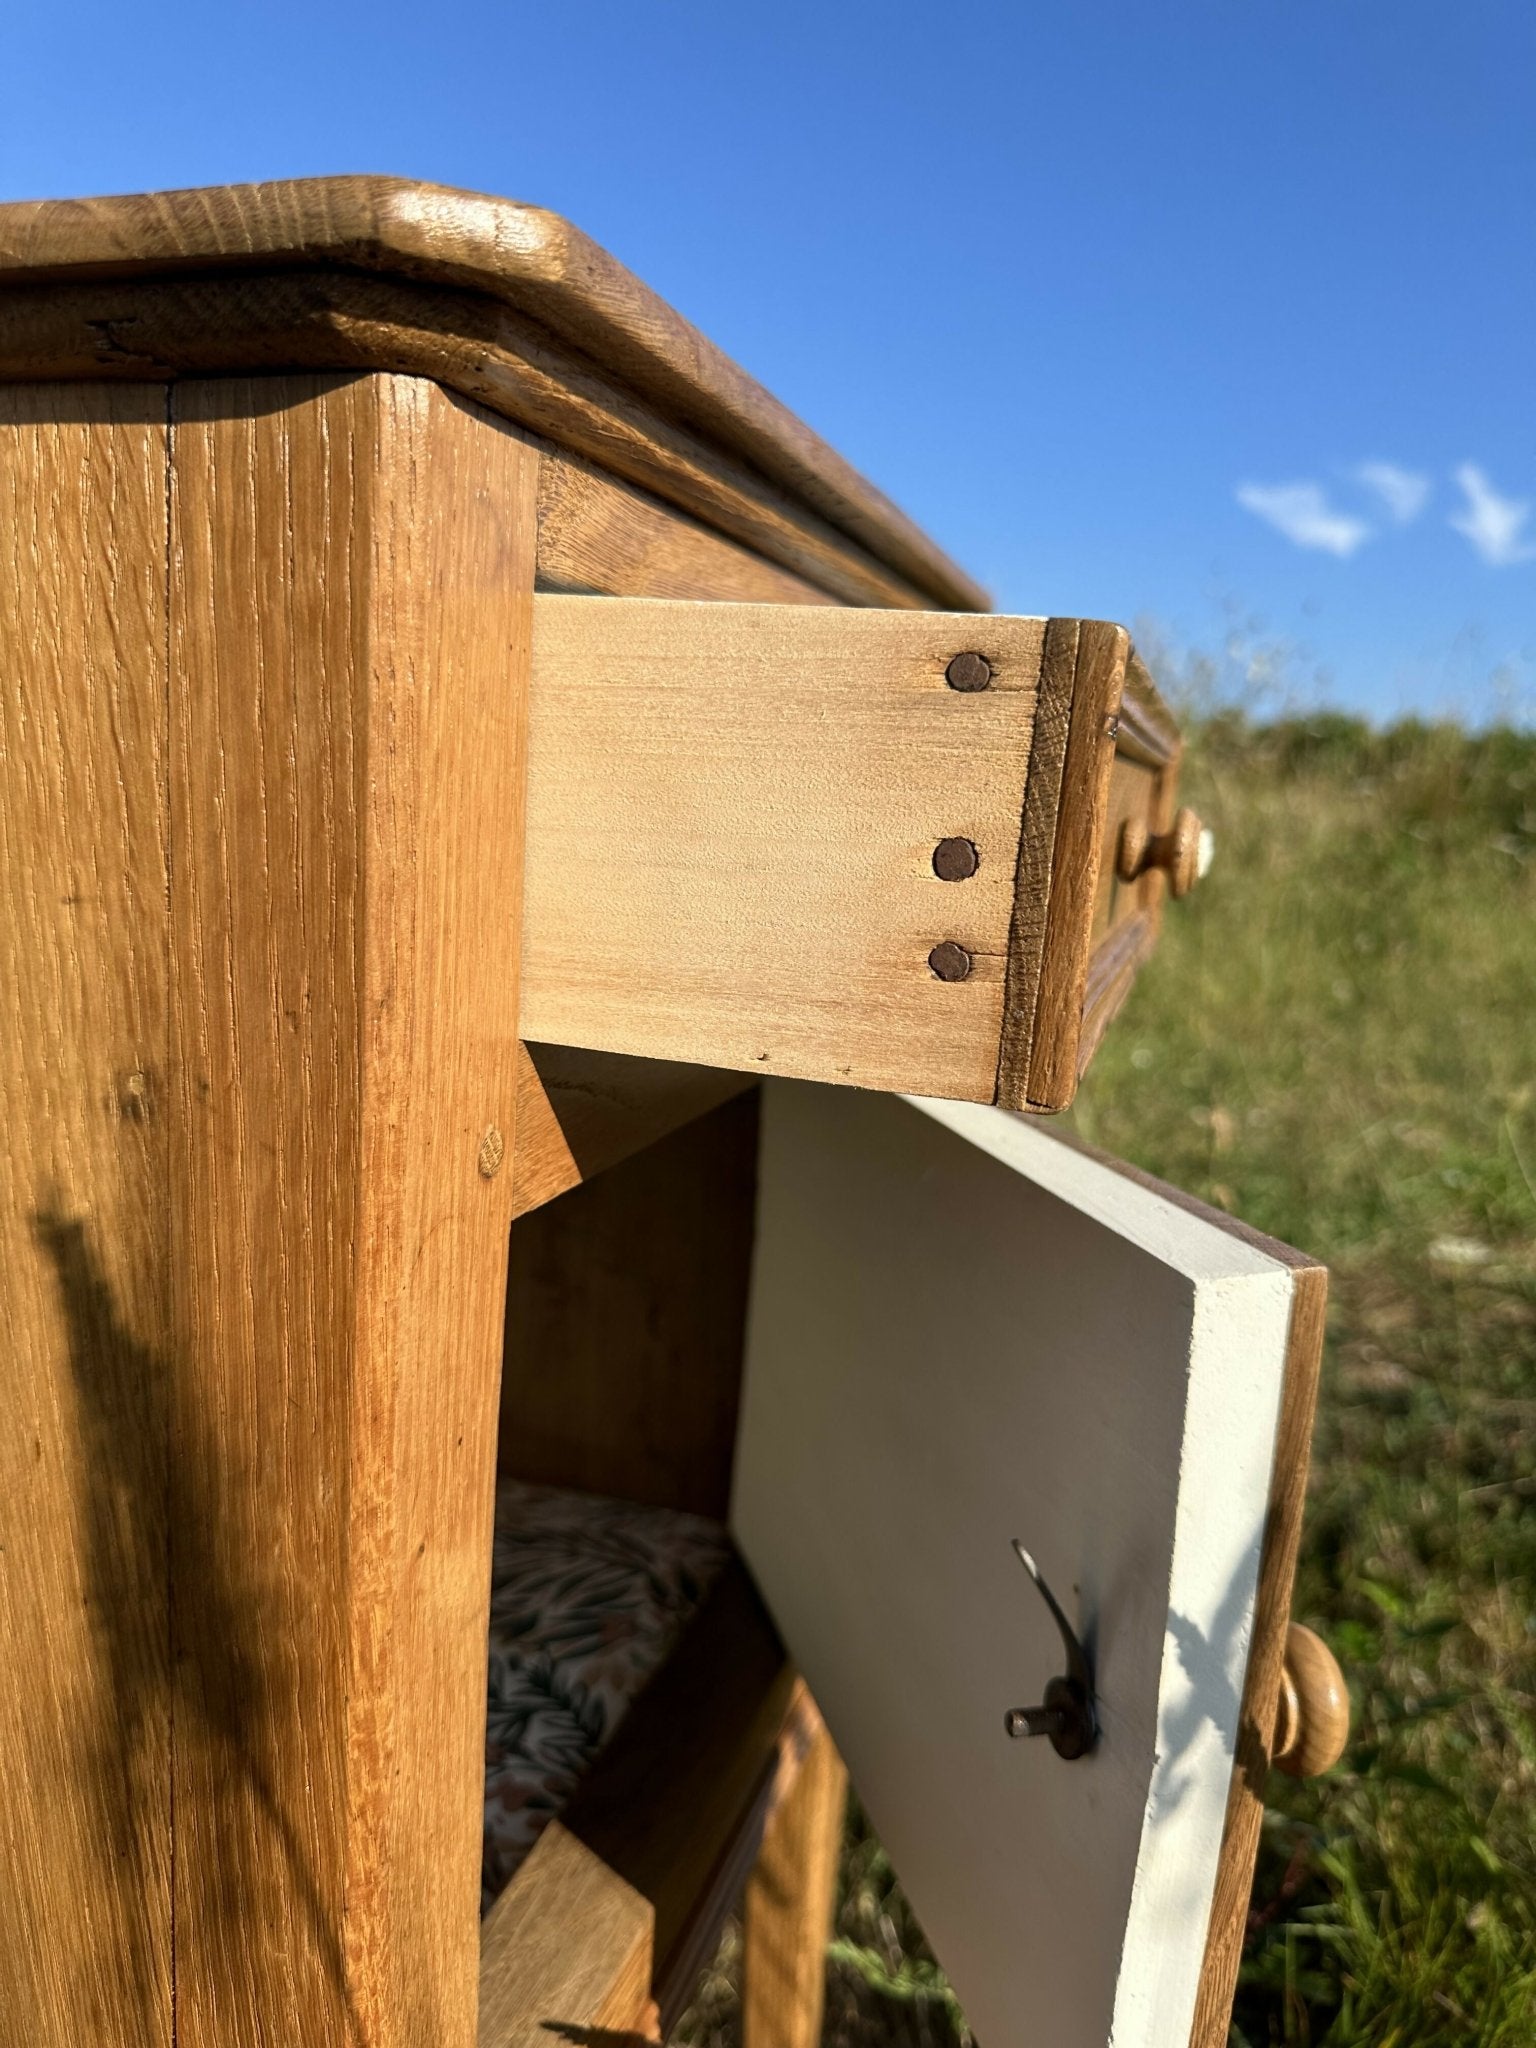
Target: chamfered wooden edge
1272, 1607
1146, 729
522, 257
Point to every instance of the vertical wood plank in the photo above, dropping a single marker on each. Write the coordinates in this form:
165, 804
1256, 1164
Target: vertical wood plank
351, 588
788, 1909
84, 1711
1097, 681
1037, 846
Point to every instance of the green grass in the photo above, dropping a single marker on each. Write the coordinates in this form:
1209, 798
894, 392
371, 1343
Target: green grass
1337, 1041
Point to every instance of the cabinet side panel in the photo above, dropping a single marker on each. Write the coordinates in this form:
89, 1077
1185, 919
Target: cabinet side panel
269, 637
84, 1696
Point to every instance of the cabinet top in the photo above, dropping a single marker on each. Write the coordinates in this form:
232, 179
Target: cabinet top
506, 303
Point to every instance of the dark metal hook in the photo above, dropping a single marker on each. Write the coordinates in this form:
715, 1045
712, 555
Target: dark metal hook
1069, 1716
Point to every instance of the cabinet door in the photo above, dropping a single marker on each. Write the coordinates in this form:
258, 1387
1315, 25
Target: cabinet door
965, 1331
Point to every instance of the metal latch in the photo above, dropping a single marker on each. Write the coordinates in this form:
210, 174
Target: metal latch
1069, 1716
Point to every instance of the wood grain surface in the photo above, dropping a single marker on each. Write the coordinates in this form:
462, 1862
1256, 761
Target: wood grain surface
1036, 854
85, 1685
733, 812
581, 1112
606, 538
1106, 748
1097, 683
346, 321
566, 1953
451, 248
1117, 954
352, 572
787, 1912
1147, 730
735, 816
1128, 916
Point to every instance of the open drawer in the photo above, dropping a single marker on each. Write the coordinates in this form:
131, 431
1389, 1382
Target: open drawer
963, 1331
905, 850
350, 512
773, 883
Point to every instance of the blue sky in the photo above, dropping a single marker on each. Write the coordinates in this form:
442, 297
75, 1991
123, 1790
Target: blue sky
1118, 301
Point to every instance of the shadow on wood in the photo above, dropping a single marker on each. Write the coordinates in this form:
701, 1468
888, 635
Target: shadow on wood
138, 1417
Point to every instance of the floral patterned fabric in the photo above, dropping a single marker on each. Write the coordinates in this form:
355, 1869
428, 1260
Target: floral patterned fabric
587, 1597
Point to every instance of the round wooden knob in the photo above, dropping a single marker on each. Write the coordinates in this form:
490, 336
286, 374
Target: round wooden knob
1312, 1725
1176, 851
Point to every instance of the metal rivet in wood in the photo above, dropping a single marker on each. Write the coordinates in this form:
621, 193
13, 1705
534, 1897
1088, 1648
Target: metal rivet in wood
955, 860
949, 961
969, 672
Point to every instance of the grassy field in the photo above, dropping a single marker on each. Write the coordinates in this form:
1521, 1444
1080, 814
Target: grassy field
1337, 1041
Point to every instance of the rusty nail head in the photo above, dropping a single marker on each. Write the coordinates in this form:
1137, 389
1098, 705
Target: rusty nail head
949, 961
968, 672
955, 860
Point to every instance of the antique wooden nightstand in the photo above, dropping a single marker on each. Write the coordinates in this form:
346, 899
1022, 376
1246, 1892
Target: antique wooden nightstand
473, 764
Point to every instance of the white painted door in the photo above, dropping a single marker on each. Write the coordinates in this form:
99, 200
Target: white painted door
964, 1332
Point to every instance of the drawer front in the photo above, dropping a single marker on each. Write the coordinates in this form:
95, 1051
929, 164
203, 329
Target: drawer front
965, 1332
1139, 813
1135, 796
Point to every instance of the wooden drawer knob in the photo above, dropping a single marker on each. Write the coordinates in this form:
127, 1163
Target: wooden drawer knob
1312, 1725
1176, 851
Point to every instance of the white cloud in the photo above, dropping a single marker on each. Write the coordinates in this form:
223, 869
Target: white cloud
1303, 514
1494, 525
1402, 491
